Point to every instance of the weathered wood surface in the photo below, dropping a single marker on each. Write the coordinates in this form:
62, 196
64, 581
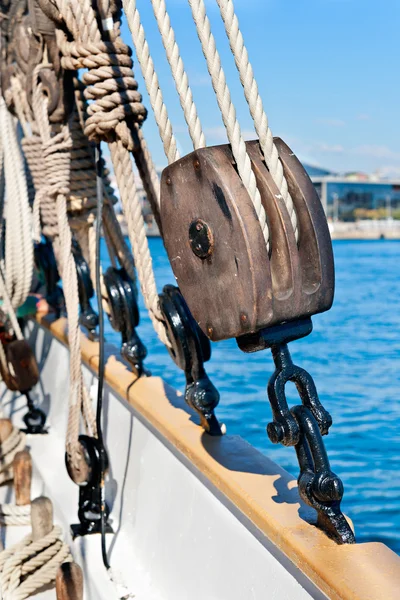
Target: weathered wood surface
41, 517
69, 582
22, 469
234, 286
22, 373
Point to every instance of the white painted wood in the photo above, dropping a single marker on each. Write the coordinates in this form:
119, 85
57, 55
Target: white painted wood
174, 539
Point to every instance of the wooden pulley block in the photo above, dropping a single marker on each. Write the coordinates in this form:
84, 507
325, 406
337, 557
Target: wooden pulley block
22, 372
232, 284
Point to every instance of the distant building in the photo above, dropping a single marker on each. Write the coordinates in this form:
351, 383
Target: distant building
343, 195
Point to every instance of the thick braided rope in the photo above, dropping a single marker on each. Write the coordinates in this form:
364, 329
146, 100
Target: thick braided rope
11, 514
8, 449
57, 162
18, 238
29, 565
255, 103
228, 111
179, 73
84, 51
151, 80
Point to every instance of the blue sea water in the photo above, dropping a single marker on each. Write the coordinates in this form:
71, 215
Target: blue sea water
353, 355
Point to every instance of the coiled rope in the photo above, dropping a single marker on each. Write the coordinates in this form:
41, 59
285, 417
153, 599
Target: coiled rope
29, 565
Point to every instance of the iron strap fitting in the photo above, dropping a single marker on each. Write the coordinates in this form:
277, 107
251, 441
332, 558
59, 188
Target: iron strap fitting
303, 427
190, 350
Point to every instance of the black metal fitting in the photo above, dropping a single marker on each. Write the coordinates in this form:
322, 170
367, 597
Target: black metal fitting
88, 317
47, 267
319, 487
284, 428
90, 491
303, 426
124, 316
190, 350
35, 418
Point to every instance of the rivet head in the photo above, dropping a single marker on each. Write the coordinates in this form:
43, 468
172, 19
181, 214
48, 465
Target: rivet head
168, 180
196, 164
210, 331
243, 317
201, 238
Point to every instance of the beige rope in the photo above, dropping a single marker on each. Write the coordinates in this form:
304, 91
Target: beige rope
228, 111
28, 566
255, 103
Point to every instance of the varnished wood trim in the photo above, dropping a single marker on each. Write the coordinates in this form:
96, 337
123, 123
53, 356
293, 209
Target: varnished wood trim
261, 490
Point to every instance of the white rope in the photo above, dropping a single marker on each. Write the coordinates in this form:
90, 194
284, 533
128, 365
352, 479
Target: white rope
11, 514
228, 111
179, 73
151, 80
17, 214
255, 103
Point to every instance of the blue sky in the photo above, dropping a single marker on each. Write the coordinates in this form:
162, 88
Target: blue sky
328, 72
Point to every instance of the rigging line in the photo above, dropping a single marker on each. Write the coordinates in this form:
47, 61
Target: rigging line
151, 80
256, 107
100, 388
228, 111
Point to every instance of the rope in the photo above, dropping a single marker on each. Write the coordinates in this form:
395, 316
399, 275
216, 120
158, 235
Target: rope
17, 214
179, 73
11, 514
109, 69
255, 103
8, 449
28, 566
228, 111
151, 80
